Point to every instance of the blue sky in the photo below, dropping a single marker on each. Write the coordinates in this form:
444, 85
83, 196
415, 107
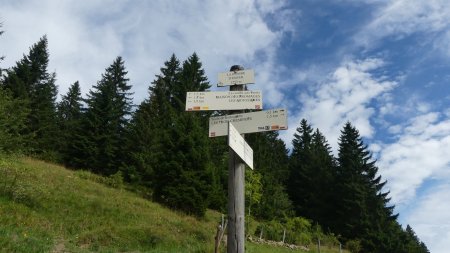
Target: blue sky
384, 65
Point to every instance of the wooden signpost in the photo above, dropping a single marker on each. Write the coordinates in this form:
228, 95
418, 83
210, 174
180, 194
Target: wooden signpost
235, 125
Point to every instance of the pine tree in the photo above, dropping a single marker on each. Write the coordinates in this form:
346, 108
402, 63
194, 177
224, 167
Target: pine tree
12, 119
149, 125
362, 206
413, 244
107, 117
172, 154
12, 123
191, 78
31, 82
321, 180
70, 121
311, 166
183, 178
299, 184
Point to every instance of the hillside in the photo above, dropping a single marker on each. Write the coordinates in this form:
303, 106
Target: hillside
47, 208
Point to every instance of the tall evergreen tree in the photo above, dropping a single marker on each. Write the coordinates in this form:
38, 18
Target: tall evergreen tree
12, 123
362, 210
311, 166
148, 129
172, 155
141, 146
299, 161
183, 179
107, 117
321, 180
70, 119
191, 78
31, 82
12, 119
414, 245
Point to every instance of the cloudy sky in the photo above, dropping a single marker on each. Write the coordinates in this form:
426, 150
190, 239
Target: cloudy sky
383, 65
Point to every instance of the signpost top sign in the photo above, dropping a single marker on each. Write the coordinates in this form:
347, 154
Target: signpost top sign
238, 77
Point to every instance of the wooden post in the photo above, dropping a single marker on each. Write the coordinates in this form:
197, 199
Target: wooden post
236, 202
284, 235
217, 241
219, 236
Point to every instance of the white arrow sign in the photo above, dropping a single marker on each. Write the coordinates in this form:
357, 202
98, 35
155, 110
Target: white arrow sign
240, 147
223, 100
236, 77
252, 122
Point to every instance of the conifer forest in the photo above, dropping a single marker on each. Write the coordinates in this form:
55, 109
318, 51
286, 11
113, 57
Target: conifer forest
160, 149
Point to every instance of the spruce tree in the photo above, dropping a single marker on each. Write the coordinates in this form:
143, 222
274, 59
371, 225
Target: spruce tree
311, 166
192, 78
413, 244
109, 106
70, 121
31, 82
184, 172
12, 119
12, 123
148, 127
171, 148
321, 180
148, 130
299, 184
141, 142
362, 206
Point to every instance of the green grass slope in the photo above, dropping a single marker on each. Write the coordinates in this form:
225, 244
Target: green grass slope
47, 208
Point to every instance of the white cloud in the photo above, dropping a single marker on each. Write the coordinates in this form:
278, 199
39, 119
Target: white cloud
399, 18
421, 152
85, 37
430, 218
345, 96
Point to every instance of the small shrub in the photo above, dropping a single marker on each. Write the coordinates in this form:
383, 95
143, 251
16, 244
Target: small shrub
272, 230
298, 231
354, 246
330, 240
15, 186
115, 180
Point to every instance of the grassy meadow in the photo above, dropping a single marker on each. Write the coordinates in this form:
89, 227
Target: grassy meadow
47, 208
